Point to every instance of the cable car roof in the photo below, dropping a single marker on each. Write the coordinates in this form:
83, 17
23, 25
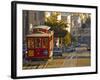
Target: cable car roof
42, 26
41, 35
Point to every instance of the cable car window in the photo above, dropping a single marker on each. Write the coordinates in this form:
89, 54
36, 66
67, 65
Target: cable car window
45, 43
30, 43
37, 42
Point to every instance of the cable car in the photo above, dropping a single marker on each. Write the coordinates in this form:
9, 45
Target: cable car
40, 43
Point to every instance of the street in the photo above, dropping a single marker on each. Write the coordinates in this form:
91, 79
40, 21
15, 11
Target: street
66, 60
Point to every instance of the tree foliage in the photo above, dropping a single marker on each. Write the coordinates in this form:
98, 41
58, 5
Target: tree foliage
67, 39
58, 27
54, 23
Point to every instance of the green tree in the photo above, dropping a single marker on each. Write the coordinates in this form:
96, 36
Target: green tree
58, 27
54, 23
67, 39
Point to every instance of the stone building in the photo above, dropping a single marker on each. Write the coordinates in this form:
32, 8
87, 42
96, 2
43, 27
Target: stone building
31, 19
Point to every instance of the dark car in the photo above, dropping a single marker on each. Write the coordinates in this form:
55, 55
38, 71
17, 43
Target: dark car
69, 49
57, 51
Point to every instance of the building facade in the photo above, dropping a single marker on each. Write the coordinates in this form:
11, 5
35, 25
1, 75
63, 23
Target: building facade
31, 19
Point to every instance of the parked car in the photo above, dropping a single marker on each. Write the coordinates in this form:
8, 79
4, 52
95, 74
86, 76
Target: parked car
69, 49
57, 51
78, 45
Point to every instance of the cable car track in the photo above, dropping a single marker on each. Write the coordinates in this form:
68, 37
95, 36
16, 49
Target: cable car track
57, 61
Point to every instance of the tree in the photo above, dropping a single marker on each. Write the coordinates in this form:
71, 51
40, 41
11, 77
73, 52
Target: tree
58, 27
67, 39
54, 23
